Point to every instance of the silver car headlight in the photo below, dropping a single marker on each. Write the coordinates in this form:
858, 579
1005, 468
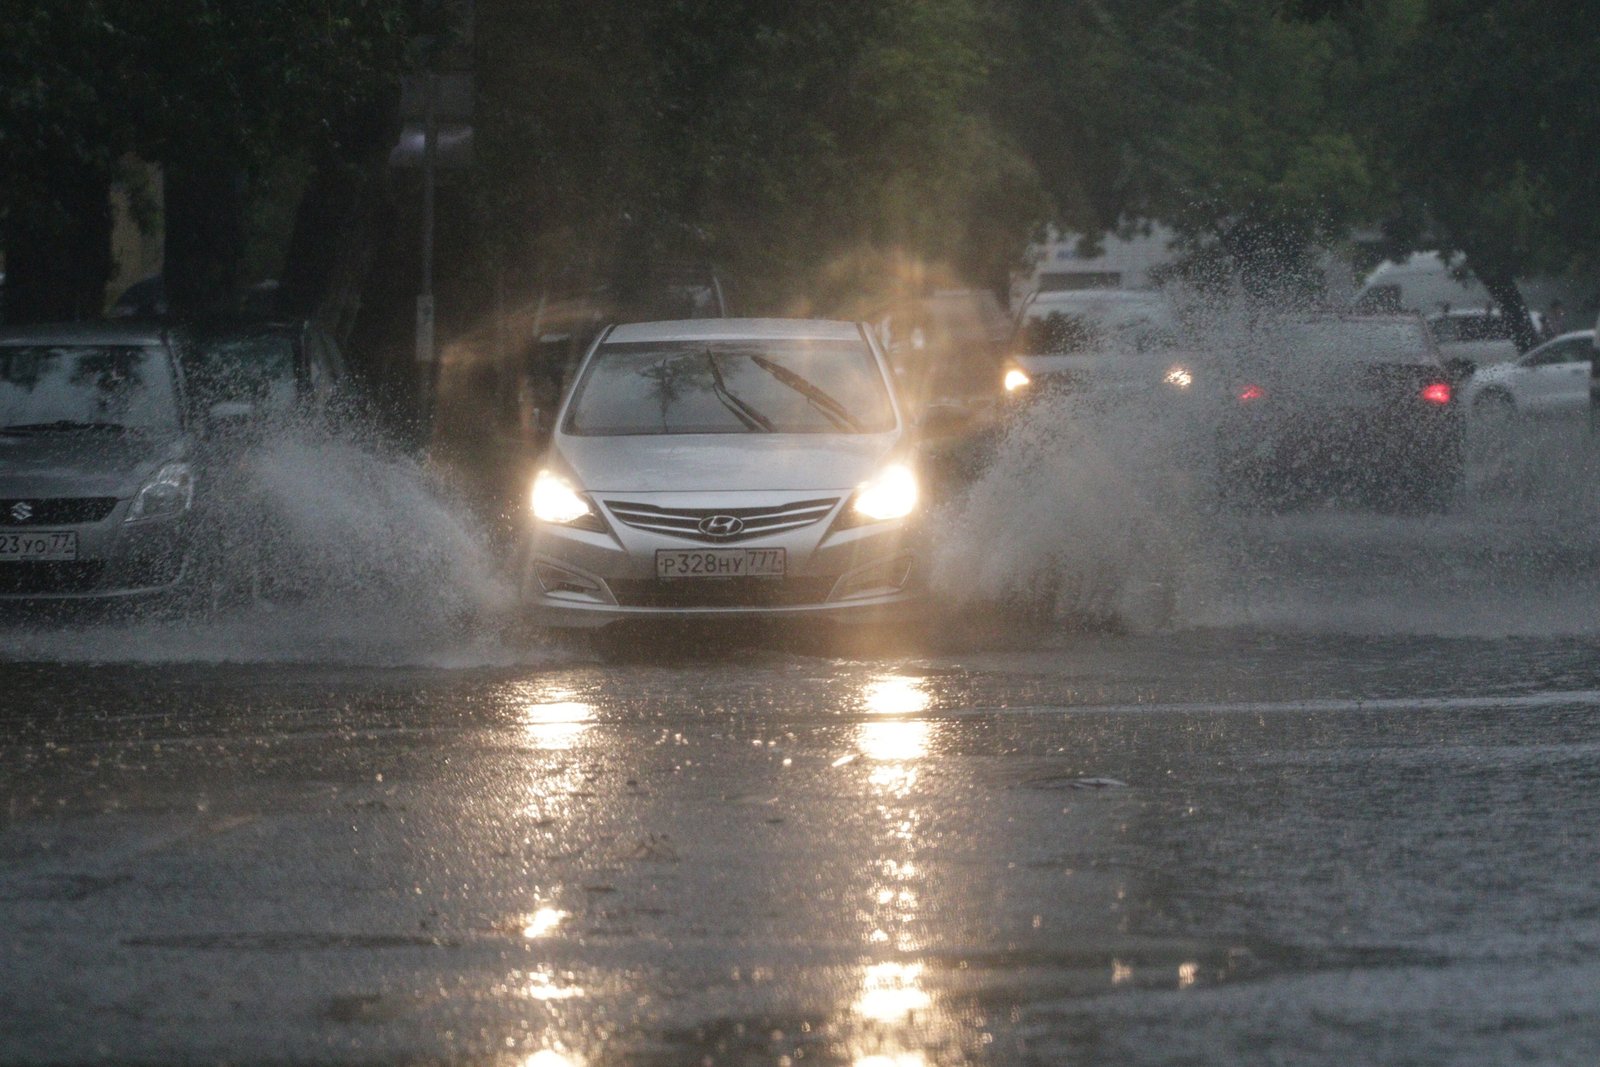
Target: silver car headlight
892, 493
168, 494
555, 500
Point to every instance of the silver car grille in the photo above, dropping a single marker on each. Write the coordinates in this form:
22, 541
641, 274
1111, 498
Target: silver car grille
714, 525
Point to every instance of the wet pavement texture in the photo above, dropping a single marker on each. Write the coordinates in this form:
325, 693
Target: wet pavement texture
1207, 846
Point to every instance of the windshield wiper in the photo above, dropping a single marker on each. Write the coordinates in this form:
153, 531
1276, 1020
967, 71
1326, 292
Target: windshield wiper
752, 419
835, 412
65, 426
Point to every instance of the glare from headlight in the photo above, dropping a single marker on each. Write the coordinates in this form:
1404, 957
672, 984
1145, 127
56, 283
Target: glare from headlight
891, 494
554, 500
1015, 379
1179, 378
169, 493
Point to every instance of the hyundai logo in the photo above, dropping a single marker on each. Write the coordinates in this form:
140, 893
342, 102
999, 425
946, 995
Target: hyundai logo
22, 511
721, 525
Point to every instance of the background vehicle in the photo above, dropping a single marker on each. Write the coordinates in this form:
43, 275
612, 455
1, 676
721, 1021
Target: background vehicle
1342, 406
97, 463
724, 468
1552, 379
1098, 338
278, 369
1475, 337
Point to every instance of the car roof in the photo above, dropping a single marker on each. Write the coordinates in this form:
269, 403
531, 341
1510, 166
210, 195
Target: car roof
737, 330
89, 333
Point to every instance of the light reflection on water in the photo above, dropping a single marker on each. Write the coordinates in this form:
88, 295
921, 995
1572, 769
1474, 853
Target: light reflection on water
899, 1013
553, 720
543, 922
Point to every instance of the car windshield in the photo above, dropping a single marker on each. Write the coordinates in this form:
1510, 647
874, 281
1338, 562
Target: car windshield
257, 368
1052, 328
717, 387
1354, 341
50, 388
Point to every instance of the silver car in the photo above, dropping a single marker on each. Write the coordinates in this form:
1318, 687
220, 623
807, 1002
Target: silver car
725, 468
97, 473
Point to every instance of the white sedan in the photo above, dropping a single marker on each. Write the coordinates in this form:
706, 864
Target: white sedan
1552, 379
725, 468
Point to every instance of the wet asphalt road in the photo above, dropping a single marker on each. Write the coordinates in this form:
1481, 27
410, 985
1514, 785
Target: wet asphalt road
1219, 845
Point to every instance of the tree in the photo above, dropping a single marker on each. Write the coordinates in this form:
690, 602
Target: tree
1492, 146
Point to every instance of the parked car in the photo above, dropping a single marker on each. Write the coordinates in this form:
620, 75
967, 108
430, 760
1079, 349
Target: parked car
98, 467
1342, 406
725, 469
1099, 339
1552, 379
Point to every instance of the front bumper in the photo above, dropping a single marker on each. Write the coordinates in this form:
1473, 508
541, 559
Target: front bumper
580, 579
115, 561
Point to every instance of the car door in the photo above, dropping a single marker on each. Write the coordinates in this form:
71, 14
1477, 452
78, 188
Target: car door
1555, 377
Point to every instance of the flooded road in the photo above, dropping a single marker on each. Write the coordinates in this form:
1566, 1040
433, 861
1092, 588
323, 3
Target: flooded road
1203, 847
1332, 802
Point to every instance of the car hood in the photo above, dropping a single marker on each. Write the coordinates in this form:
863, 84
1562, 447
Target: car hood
79, 464
723, 462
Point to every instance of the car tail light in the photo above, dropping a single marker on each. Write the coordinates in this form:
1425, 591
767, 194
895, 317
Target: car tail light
1436, 392
1251, 392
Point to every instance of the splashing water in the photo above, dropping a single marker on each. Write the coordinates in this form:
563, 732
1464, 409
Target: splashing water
358, 554
1106, 512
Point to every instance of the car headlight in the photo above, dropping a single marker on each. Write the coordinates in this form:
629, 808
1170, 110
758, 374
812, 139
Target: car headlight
554, 500
1179, 377
1015, 379
889, 494
169, 493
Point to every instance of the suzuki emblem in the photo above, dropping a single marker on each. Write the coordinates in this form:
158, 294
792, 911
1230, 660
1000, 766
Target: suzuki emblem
22, 511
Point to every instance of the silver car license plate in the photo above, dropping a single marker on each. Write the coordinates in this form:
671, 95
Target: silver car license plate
46, 545
721, 562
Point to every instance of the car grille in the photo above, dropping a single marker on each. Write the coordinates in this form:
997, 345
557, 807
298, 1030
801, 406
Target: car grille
62, 511
752, 522
720, 592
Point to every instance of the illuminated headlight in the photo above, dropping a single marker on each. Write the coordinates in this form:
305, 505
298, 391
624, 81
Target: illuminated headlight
554, 500
1179, 378
1015, 379
169, 493
890, 494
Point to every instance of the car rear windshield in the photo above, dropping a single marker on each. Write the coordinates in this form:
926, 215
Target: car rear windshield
706, 387
1355, 341
257, 368
1051, 328
86, 388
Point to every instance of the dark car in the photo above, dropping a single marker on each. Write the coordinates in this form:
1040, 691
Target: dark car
97, 463
262, 370
1341, 406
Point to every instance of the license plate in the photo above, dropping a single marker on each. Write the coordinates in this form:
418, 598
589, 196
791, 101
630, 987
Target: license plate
38, 545
720, 563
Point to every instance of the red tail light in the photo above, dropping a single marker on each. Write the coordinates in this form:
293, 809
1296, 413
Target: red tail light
1252, 392
1436, 392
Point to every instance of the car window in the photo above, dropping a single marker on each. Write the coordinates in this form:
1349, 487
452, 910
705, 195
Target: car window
129, 387
701, 387
253, 368
1354, 341
1574, 350
1051, 328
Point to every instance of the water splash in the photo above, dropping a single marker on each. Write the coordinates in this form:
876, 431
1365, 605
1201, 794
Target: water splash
361, 556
